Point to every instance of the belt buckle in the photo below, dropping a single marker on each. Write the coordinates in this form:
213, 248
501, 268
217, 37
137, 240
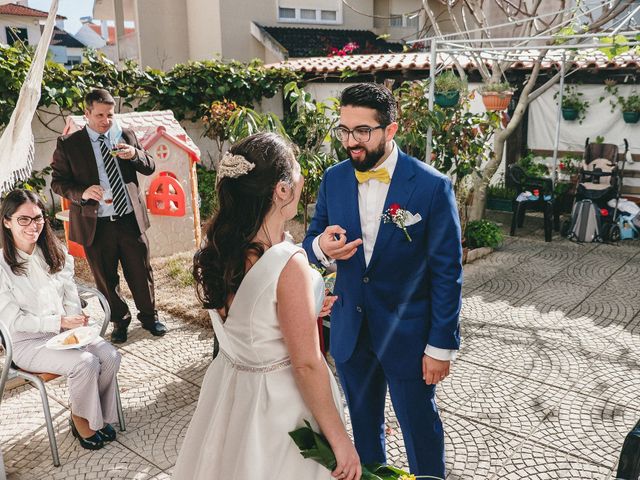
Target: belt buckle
113, 218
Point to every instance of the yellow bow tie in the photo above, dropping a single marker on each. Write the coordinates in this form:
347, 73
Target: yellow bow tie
381, 174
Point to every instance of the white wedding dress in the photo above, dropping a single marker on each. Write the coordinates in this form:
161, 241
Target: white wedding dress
249, 400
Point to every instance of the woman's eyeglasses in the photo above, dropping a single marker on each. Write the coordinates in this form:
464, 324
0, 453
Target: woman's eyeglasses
25, 221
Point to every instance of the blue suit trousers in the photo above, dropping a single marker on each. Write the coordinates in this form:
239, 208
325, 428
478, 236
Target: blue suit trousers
365, 383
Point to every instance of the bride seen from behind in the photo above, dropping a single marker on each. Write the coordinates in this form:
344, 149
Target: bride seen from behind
261, 294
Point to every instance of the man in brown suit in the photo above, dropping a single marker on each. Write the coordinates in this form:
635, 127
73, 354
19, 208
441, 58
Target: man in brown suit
106, 215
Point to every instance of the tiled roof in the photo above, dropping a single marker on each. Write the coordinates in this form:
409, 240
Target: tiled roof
111, 32
19, 10
145, 125
421, 61
309, 42
62, 38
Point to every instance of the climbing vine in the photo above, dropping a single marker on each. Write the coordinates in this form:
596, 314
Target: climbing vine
188, 89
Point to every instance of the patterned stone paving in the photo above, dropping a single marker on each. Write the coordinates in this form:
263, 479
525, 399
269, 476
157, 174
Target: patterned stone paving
546, 385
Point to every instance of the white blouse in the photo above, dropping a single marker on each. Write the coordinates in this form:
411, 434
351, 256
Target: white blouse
36, 301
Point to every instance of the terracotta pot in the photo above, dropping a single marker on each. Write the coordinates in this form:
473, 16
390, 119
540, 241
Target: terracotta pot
496, 101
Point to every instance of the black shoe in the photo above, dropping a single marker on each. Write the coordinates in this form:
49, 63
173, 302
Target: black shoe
108, 433
94, 442
157, 329
119, 333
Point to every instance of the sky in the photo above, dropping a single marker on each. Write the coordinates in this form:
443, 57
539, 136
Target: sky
72, 9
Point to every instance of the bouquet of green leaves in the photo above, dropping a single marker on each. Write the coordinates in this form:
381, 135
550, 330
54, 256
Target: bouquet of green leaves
315, 446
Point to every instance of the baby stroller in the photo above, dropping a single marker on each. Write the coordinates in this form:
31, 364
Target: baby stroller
595, 212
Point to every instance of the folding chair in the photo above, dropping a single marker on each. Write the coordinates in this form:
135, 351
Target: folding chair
10, 370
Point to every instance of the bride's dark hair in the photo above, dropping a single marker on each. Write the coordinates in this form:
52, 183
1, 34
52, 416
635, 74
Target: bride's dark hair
243, 202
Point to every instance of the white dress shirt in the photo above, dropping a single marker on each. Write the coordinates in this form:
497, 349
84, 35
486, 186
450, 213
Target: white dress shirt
34, 303
371, 197
105, 210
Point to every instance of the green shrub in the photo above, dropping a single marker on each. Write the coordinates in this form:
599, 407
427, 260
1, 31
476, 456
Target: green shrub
206, 192
501, 191
483, 233
533, 168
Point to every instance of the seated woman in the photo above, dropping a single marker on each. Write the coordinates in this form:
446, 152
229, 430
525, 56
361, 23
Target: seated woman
38, 299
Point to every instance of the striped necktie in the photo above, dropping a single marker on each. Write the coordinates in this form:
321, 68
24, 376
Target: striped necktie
115, 181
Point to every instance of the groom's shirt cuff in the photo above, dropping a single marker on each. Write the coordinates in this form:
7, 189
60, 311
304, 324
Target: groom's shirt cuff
324, 260
442, 354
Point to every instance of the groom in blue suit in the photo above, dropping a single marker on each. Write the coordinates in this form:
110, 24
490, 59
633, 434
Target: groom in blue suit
395, 322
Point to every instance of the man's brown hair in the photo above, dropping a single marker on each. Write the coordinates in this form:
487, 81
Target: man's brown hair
98, 95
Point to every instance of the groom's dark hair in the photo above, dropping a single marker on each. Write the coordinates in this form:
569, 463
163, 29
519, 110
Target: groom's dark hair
372, 95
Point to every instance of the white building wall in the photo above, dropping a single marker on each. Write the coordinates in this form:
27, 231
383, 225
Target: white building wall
162, 32
30, 24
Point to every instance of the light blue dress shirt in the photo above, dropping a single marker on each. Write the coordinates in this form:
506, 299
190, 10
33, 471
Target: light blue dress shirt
105, 210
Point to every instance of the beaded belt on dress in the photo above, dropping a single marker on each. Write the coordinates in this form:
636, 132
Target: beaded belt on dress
262, 369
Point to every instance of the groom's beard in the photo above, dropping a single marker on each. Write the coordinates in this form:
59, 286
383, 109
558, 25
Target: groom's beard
370, 159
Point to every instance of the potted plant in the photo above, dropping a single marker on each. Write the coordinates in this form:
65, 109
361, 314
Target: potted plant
533, 168
500, 198
629, 105
483, 233
631, 108
574, 107
496, 96
447, 88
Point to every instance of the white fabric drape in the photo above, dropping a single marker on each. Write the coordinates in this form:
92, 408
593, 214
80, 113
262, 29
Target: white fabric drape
16, 142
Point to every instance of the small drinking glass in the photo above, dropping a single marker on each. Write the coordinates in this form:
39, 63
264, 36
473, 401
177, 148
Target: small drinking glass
107, 197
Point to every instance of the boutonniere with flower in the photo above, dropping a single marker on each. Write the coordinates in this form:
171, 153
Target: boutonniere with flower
401, 218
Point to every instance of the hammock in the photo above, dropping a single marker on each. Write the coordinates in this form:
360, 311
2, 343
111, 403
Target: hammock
16, 142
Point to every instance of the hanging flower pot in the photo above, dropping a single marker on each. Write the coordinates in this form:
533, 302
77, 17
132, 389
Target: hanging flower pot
631, 117
447, 99
496, 96
495, 101
569, 113
573, 106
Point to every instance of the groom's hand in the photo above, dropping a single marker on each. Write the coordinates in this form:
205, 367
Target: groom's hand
434, 371
333, 243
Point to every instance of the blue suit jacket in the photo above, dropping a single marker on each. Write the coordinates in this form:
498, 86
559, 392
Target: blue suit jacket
410, 292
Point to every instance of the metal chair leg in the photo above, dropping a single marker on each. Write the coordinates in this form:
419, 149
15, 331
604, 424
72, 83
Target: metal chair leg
47, 417
123, 426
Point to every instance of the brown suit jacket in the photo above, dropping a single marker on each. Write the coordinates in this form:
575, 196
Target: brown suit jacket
75, 169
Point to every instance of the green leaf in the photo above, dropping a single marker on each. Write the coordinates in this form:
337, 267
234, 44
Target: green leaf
614, 46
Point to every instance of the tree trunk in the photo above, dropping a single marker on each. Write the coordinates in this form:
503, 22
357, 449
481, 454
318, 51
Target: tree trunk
479, 203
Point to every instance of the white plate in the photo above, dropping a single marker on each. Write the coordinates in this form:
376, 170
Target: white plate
85, 335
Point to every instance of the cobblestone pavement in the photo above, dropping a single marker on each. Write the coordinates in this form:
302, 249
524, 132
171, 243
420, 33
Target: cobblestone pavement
546, 385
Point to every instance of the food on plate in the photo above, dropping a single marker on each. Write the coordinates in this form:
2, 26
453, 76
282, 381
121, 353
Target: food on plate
71, 340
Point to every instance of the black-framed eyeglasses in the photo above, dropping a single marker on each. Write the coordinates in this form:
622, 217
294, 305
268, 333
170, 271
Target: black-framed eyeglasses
25, 220
360, 134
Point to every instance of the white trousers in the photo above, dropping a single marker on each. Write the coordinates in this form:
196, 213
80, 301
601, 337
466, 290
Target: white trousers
91, 375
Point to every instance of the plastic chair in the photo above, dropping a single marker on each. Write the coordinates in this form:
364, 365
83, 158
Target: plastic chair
524, 182
11, 371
